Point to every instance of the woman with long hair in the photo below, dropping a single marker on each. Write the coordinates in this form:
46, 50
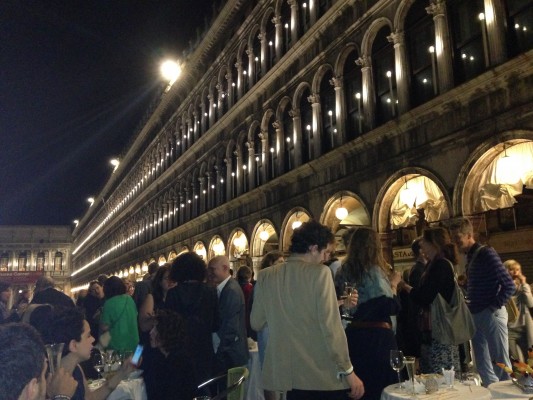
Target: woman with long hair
438, 278
521, 329
370, 335
169, 373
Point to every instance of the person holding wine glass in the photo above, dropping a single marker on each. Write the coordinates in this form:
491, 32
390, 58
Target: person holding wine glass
67, 325
370, 335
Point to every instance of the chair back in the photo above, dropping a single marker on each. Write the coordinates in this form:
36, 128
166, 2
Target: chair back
236, 378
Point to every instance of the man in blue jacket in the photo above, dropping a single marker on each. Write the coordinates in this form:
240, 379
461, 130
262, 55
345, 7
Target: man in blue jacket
489, 287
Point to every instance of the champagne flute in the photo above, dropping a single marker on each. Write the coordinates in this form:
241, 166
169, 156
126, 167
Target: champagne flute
348, 289
397, 363
98, 363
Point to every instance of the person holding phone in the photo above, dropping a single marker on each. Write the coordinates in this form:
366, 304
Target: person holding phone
168, 373
67, 325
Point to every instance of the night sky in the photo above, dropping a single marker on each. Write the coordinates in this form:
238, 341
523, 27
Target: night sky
75, 79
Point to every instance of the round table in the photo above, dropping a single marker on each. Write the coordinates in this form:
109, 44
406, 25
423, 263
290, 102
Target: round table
463, 392
507, 390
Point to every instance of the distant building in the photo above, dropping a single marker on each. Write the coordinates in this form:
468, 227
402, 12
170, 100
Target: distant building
28, 252
394, 114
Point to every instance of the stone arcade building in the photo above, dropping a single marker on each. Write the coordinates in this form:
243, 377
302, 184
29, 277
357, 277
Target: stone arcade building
390, 113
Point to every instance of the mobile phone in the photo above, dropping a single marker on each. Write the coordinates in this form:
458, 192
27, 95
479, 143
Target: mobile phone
137, 355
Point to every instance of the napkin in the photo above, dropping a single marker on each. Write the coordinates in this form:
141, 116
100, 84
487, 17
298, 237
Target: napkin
419, 387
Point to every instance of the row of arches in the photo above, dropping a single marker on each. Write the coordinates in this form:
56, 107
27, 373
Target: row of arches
409, 198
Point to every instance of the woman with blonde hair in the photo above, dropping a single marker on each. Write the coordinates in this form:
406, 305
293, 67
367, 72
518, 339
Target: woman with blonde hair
370, 335
438, 278
521, 329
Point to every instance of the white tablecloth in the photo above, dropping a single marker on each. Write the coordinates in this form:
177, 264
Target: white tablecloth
463, 392
132, 389
507, 390
254, 390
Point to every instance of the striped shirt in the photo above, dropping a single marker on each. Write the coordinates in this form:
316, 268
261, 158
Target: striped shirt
489, 283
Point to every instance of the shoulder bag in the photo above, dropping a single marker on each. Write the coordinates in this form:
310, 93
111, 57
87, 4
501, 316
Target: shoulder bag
451, 323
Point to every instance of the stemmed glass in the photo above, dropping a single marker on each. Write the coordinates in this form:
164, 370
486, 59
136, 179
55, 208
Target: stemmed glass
397, 363
98, 363
348, 289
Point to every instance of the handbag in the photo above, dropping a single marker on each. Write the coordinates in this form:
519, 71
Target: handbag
512, 310
451, 323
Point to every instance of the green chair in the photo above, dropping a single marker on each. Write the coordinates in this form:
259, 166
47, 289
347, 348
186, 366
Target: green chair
234, 390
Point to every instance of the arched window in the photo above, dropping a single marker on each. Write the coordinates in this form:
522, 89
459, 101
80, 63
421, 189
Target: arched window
384, 77
469, 38
288, 130
306, 119
520, 26
323, 7
353, 84
39, 264
270, 53
58, 261
327, 106
286, 25
420, 39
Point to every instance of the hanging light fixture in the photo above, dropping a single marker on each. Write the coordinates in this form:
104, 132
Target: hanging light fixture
264, 235
407, 195
296, 224
341, 212
506, 169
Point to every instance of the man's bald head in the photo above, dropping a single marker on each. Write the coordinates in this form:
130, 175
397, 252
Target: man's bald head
218, 269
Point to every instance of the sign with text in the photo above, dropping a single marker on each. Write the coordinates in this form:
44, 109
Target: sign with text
15, 277
402, 254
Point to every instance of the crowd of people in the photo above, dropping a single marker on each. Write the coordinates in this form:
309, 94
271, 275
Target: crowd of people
325, 326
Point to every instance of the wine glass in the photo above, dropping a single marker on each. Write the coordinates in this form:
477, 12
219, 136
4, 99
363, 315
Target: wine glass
98, 363
348, 289
397, 363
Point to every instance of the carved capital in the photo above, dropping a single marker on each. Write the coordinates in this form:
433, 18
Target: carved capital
336, 82
314, 98
263, 135
396, 37
218, 86
249, 146
261, 36
276, 124
363, 62
276, 20
249, 52
238, 65
228, 77
210, 97
437, 8
292, 3
295, 113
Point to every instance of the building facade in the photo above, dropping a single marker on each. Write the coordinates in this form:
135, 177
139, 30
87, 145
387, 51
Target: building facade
28, 252
395, 114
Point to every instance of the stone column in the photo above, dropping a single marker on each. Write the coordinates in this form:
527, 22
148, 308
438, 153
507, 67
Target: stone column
495, 25
196, 132
252, 165
313, 11
297, 136
280, 167
401, 66
295, 20
316, 128
218, 194
279, 37
203, 118
443, 47
212, 109
230, 181
340, 109
264, 157
264, 59
251, 68
240, 81
190, 134
368, 92
231, 89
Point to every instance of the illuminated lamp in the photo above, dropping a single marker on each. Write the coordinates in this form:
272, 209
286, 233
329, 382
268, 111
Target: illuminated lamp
341, 212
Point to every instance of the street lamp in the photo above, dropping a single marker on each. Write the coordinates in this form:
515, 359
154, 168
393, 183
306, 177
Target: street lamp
91, 201
170, 71
114, 162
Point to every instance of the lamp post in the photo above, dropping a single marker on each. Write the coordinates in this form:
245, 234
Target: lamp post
272, 162
359, 118
330, 114
389, 76
433, 69
289, 151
